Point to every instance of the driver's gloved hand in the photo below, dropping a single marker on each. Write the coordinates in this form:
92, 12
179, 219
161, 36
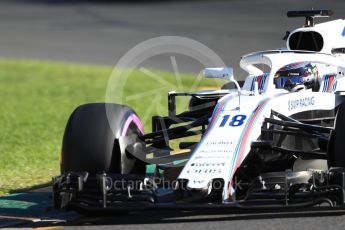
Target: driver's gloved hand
289, 85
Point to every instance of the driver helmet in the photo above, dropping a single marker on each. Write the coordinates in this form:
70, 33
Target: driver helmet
297, 76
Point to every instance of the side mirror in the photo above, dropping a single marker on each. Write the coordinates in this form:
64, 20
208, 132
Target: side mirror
225, 73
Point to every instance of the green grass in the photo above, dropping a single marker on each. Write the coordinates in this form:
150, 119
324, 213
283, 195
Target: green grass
36, 100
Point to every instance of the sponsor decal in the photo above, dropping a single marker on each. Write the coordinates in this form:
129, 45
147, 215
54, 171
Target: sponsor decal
204, 171
218, 143
216, 147
207, 164
300, 103
211, 157
215, 151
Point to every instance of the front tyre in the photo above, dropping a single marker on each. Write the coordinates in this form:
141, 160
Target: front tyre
90, 141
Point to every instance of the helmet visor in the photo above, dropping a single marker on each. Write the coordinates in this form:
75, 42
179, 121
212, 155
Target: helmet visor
280, 81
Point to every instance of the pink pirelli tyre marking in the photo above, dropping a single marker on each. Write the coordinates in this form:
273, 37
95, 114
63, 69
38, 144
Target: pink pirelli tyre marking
132, 118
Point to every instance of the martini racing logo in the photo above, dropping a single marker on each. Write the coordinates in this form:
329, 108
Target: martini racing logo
300, 103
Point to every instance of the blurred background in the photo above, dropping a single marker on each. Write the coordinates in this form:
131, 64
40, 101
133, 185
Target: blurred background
100, 32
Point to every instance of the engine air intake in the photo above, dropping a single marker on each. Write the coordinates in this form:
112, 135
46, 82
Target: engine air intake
306, 40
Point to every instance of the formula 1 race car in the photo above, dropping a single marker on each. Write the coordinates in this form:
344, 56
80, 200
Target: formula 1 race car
277, 141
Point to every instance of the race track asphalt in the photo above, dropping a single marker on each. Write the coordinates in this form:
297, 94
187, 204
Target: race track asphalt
169, 221
101, 32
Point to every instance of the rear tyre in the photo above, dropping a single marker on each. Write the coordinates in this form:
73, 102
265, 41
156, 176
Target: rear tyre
91, 139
